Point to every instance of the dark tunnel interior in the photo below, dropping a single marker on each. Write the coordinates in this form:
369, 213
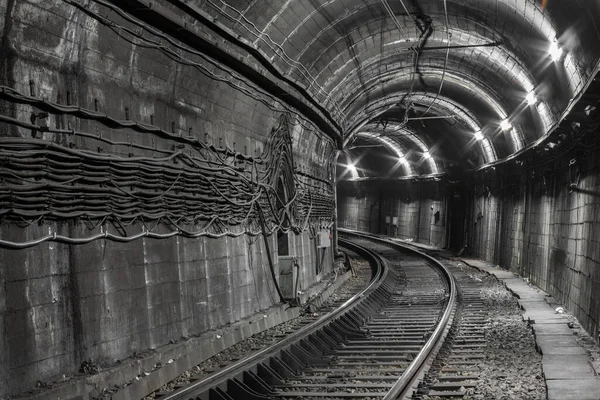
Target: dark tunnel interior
164, 163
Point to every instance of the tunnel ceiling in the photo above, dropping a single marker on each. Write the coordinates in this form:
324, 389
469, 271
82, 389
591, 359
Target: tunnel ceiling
428, 76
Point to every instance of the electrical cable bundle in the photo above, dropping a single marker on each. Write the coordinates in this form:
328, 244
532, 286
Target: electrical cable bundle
215, 193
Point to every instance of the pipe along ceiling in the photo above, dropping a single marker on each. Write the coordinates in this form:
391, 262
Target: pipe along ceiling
427, 83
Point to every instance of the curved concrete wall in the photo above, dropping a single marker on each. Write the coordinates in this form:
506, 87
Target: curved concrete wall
406, 210
106, 301
543, 224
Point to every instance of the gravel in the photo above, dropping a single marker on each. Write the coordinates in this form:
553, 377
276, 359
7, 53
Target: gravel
512, 368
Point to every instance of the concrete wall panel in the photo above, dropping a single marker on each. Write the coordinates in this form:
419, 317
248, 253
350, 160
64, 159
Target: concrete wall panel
548, 231
367, 206
106, 301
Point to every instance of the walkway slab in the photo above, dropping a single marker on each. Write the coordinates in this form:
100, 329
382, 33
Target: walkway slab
552, 329
563, 366
574, 350
574, 389
548, 343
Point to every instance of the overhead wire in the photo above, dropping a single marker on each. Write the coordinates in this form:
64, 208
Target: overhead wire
416, 49
278, 49
406, 10
388, 8
445, 60
79, 184
193, 189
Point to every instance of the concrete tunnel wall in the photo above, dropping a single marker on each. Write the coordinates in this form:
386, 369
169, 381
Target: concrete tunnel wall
539, 226
62, 304
402, 209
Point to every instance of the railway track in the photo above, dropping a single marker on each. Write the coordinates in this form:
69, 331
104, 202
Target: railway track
373, 346
455, 371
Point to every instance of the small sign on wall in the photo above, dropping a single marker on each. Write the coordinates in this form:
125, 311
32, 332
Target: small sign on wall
395, 221
324, 238
387, 219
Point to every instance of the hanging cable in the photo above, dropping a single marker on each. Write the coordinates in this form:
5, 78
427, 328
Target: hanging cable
269, 255
388, 8
278, 49
445, 60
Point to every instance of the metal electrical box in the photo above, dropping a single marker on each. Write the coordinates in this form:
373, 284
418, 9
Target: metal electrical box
288, 276
323, 239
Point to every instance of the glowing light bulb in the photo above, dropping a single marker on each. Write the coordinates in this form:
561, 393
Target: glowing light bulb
555, 51
402, 160
531, 99
478, 135
352, 168
505, 125
426, 155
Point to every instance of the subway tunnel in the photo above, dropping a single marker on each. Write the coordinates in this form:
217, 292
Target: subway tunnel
165, 163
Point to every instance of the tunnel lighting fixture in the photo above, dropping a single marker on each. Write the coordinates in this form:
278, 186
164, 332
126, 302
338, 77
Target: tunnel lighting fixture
531, 98
478, 135
555, 51
589, 109
352, 169
505, 125
426, 155
402, 160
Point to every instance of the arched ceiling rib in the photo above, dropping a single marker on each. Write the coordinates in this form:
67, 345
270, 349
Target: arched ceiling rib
399, 149
484, 103
358, 61
407, 144
442, 106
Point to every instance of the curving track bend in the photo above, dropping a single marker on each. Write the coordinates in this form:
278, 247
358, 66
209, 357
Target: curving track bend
373, 346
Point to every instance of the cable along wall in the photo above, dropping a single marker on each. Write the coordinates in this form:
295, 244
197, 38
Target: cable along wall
113, 130
193, 191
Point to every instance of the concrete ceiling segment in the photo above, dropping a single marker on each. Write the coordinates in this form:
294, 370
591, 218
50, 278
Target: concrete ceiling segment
329, 46
454, 137
409, 142
478, 99
485, 64
398, 154
440, 105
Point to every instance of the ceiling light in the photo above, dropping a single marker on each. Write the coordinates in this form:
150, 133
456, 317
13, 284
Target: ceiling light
531, 99
426, 155
555, 51
350, 167
505, 125
402, 160
589, 109
478, 135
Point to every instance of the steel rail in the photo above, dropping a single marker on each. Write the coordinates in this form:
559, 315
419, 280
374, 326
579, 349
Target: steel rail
246, 363
405, 382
